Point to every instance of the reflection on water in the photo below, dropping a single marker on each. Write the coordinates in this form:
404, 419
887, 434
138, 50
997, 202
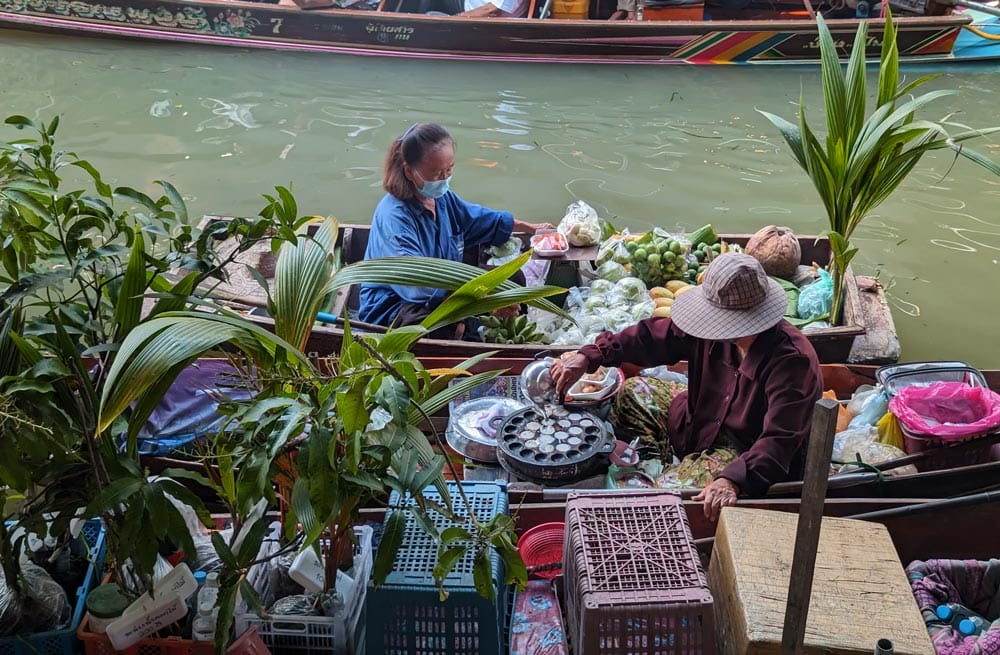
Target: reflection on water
673, 146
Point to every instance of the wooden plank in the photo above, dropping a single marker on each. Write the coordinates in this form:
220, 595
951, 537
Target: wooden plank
860, 595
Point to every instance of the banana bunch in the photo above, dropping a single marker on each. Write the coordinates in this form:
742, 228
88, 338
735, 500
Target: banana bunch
513, 329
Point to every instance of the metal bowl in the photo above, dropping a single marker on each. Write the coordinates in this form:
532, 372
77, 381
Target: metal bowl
537, 384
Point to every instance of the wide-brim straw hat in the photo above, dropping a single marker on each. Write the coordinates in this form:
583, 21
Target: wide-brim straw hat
735, 299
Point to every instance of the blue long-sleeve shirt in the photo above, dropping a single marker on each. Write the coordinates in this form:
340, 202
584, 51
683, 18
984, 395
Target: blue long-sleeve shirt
401, 228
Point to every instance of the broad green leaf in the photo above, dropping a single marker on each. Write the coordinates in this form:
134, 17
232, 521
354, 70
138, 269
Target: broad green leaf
128, 308
482, 574
447, 559
392, 539
176, 201
454, 533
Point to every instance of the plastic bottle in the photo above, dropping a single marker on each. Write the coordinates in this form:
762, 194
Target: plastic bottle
971, 626
209, 593
953, 613
204, 626
192, 603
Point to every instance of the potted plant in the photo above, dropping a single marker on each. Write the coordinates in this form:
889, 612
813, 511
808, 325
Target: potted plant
77, 266
866, 156
359, 408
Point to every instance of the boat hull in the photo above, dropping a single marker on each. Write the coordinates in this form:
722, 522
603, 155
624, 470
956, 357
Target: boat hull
249, 24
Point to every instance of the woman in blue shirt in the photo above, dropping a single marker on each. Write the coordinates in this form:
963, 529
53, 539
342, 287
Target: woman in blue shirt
421, 216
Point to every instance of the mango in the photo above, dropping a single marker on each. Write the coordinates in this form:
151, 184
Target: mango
660, 292
674, 285
684, 288
663, 302
661, 312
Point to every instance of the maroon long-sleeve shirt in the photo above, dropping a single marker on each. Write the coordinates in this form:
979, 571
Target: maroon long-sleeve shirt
764, 402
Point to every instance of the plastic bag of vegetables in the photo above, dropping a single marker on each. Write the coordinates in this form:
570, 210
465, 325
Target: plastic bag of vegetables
581, 226
641, 408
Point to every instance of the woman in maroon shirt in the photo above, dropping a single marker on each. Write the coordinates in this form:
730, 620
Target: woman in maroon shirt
751, 375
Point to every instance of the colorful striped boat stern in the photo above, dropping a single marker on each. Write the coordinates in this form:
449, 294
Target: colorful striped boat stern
731, 47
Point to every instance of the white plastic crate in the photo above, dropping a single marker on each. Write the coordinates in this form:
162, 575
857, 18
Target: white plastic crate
342, 634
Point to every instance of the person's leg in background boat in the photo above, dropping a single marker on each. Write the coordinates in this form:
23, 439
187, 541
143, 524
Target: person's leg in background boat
626, 10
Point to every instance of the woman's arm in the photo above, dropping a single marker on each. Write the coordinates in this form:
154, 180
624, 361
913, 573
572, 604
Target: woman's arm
531, 228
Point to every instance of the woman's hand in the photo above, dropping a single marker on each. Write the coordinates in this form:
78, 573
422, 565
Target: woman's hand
531, 228
718, 494
566, 371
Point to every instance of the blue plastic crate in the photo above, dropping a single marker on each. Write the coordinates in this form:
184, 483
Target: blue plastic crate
405, 615
64, 642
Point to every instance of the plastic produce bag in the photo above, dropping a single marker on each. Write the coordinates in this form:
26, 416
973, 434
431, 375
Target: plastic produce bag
949, 410
873, 408
664, 373
864, 443
696, 470
889, 431
614, 249
612, 271
641, 408
505, 252
816, 299
851, 445
581, 226
41, 607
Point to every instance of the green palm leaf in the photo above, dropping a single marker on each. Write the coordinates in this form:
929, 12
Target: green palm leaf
422, 272
301, 278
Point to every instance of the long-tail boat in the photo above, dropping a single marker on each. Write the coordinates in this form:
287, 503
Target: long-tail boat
570, 31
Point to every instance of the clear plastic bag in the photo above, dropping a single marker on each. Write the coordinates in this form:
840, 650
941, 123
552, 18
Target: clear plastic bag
664, 373
581, 226
628, 291
614, 248
949, 410
505, 252
612, 271
816, 299
872, 407
863, 443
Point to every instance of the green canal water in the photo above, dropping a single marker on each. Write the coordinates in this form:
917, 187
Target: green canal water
674, 147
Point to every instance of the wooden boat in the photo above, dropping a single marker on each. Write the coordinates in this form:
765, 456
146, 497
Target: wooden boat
956, 479
960, 469
673, 31
867, 336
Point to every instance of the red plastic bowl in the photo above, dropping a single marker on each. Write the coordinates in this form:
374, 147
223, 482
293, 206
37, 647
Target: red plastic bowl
543, 544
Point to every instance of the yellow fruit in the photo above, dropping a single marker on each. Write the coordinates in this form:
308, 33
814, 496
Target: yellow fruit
660, 292
687, 287
661, 312
674, 285
663, 302
701, 276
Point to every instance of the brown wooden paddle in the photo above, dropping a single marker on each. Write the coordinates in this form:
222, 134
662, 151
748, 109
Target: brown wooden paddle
824, 426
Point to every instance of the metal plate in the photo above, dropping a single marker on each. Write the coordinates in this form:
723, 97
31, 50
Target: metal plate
465, 419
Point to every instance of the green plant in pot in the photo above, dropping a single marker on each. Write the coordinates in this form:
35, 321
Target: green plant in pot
337, 433
866, 156
77, 261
